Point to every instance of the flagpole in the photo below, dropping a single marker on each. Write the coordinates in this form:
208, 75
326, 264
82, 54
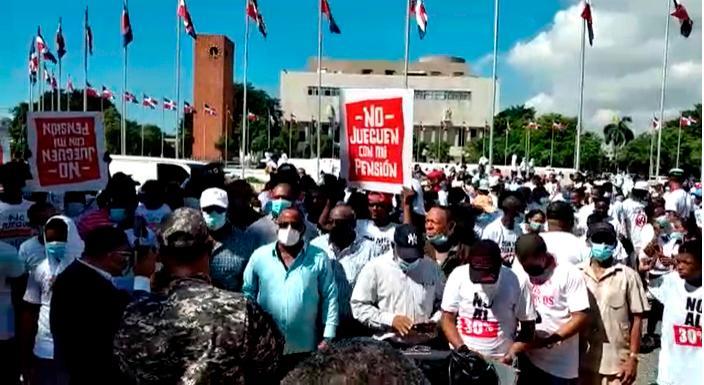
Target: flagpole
51, 97
85, 61
178, 79
141, 134
163, 124
320, 85
244, 94
652, 145
58, 88
407, 33
552, 144
679, 139
493, 83
508, 131
580, 115
663, 86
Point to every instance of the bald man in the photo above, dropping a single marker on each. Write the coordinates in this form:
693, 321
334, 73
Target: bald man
348, 252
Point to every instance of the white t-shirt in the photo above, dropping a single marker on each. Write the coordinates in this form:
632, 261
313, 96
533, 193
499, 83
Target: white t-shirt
564, 246
10, 267
505, 238
483, 220
31, 253
679, 202
681, 354
153, 217
563, 293
383, 237
14, 223
487, 315
635, 221
580, 218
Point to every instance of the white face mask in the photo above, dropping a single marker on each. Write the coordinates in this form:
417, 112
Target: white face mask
288, 236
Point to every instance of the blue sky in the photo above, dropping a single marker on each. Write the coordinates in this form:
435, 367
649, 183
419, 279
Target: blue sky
370, 29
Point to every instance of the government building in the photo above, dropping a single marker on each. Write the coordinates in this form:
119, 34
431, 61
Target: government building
451, 104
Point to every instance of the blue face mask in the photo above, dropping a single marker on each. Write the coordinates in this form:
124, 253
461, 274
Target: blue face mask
55, 250
117, 215
438, 239
676, 235
536, 226
279, 205
214, 221
407, 266
602, 252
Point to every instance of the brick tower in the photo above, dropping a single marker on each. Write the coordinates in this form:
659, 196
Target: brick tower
212, 85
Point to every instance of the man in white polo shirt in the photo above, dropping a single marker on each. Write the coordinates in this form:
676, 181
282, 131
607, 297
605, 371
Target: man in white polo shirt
677, 200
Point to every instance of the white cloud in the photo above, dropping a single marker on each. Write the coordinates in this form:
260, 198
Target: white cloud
622, 70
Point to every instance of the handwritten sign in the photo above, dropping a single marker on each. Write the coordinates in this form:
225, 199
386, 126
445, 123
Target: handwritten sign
377, 138
67, 151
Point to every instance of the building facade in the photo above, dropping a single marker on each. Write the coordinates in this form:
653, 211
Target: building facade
451, 105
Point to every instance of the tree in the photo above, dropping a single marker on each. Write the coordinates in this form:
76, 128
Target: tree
617, 134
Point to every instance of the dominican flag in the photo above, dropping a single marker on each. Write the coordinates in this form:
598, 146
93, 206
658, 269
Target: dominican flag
687, 121
107, 94
42, 48
130, 98
169, 104
587, 16
325, 7
182, 12
149, 101
60, 43
293, 117
33, 64
253, 13
69, 84
533, 125
54, 84
47, 76
686, 22
90, 91
88, 34
655, 124
209, 110
558, 126
188, 109
126, 26
418, 9
251, 116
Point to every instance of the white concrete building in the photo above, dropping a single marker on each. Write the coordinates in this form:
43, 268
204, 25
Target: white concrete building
451, 104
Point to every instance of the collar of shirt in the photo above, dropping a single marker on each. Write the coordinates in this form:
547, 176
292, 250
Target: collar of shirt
611, 270
351, 249
98, 270
296, 261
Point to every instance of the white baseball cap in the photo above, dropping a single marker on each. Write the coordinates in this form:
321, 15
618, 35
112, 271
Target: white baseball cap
483, 185
214, 197
641, 185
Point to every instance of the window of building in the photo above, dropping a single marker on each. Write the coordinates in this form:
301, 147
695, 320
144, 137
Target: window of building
310, 90
435, 73
326, 91
389, 72
458, 73
367, 71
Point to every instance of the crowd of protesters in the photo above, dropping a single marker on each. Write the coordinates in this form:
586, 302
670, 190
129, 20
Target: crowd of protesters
463, 274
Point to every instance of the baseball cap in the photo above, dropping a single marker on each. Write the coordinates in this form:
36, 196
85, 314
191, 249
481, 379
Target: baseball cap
603, 231
185, 227
494, 181
484, 202
483, 185
641, 185
676, 172
409, 242
214, 197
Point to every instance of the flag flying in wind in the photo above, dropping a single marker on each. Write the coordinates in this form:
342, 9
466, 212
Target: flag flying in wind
47, 77
682, 15
60, 43
209, 110
88, 34
107, 94
149, 101
90, 91
33, 65
325, 6
251, 116
126, 26
687, 121
69, 84
130, 98
253, 13
42, 48
655, 123
169, 104
183, 13
532, 125
188, 109
418, 9
558, 126
587, 16
54, 84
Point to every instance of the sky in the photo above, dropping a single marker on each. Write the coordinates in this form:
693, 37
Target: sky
538, 48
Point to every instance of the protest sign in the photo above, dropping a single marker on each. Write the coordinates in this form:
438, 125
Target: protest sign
67, 151
376, 138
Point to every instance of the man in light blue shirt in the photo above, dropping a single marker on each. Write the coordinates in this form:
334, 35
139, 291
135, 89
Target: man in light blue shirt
294, 282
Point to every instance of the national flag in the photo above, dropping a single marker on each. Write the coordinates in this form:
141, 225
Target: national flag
532, 125
655, 124
682, 15
149, 101
686, 121
188, 109
558, 126
183, 13
60, 43
33, 64
47, 77
293, 117
129, 97
90, 91
107, 94
42, 48
54, 84
169, 104
126, 26
253, 13
325, 9
418, 9
251, 116
209, 110
587, 16
69, 84
88, 34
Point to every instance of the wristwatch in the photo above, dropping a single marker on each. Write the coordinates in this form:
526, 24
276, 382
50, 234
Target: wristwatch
633, 355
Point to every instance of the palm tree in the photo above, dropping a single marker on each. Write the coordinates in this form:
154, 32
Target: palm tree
617, 133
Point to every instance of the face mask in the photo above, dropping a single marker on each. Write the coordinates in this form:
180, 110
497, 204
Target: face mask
288, 236
536, 226
341, 232
279, 205
663, 222
484, 217
602, 252
192, 202
55, 250
214, 221
534, 271
117, 215
407, 266
74, 209
677, 236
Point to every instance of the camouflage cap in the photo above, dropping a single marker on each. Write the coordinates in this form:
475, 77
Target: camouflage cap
185, 227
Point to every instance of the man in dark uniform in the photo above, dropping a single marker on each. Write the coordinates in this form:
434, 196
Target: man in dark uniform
194, 333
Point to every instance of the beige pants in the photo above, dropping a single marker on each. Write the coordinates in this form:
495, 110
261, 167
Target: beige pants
589, 378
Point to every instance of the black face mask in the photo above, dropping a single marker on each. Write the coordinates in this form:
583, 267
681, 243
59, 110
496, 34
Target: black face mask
341, 232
